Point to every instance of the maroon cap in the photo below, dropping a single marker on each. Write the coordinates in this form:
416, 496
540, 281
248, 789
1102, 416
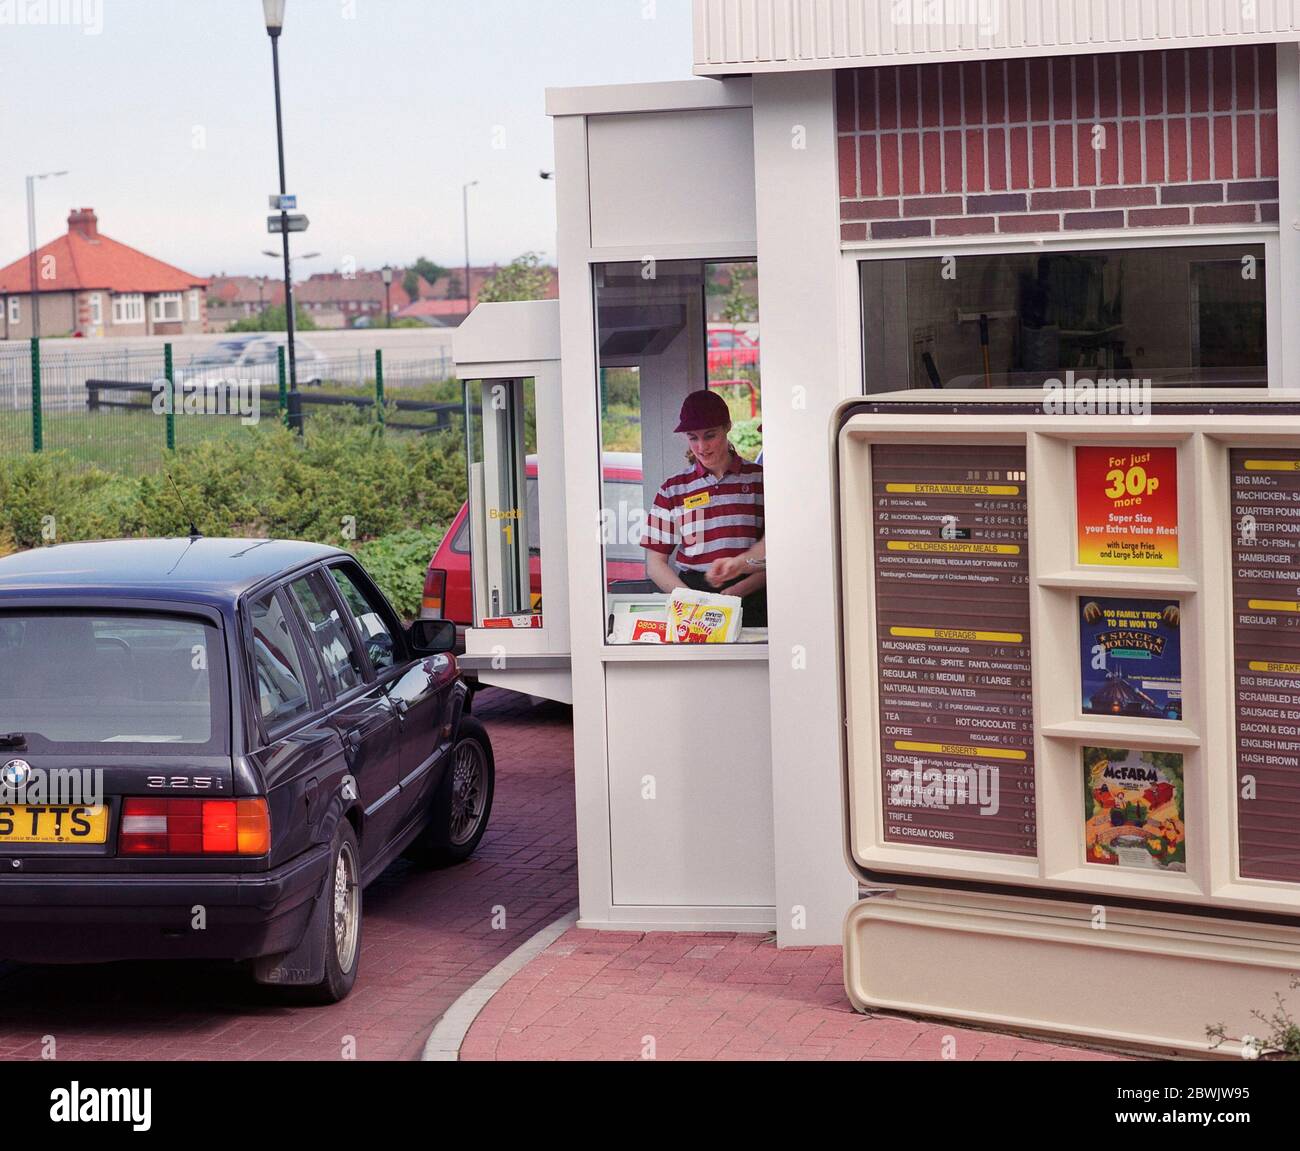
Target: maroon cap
702, 410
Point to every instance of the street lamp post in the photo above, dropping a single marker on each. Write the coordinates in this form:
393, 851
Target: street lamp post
387, 274
274, 13
31, 247
292, 260
469, 295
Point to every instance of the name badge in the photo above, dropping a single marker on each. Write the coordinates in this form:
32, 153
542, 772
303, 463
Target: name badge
700, 500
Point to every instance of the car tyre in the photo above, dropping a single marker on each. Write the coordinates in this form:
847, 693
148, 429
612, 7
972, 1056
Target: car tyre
342, 925
463, 803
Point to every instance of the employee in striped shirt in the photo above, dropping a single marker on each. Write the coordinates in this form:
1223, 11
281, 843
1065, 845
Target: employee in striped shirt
712, 511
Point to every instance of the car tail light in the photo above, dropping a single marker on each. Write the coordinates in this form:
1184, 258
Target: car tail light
435, 592
195, 827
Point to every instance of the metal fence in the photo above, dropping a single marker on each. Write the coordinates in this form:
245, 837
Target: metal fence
121, 410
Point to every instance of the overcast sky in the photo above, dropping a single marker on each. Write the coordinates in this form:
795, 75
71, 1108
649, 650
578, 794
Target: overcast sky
163, 113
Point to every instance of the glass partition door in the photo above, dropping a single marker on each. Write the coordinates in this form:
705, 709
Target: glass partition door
502, 504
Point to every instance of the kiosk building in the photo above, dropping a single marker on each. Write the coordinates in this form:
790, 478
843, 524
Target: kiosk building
987, 206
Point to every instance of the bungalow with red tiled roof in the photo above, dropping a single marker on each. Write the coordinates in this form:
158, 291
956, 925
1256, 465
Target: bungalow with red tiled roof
92, 285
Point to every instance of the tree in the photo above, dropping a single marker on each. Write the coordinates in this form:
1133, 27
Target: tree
273, 320
425, 270
411, 283
739, 305
523, 278
429, 271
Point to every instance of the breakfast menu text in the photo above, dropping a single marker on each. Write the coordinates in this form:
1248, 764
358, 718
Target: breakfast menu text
1266, 614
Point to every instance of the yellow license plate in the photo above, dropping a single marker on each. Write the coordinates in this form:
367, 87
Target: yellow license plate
30, 823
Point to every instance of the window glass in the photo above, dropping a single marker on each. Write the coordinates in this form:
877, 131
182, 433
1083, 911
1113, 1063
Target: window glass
85, 678
327, 634
375, 633
676, 505
503, 522
167, 307
460, 541
1190, 316
281, 685
128, 309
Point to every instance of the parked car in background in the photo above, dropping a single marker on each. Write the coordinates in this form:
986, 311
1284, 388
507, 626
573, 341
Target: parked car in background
250, 732
449, 585
258, 351
730, 350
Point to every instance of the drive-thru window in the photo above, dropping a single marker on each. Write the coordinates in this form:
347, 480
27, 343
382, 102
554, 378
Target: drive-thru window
665, 330
504, 513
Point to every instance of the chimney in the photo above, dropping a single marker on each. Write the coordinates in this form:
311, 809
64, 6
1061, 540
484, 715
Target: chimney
84, 221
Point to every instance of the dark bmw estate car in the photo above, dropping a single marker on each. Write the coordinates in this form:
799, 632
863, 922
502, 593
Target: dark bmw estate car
208, 748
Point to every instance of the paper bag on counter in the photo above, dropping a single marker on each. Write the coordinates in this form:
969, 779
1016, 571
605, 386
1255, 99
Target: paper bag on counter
703, 617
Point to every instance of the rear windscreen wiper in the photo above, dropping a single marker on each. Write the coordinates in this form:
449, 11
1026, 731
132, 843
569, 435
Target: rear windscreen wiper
13, 742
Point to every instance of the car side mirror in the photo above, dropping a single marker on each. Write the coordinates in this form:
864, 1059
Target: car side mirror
432, 636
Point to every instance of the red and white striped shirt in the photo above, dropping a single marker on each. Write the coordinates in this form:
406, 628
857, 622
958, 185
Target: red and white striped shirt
704, 517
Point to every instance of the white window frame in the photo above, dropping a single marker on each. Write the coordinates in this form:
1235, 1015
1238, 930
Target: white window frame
128, 308
96, 309
194, 306
853, 347
161, 305
15, 310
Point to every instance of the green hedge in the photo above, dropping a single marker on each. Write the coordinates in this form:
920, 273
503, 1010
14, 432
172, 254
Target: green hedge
346, 484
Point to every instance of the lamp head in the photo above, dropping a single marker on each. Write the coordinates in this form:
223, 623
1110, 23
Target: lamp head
274, 12
387, 274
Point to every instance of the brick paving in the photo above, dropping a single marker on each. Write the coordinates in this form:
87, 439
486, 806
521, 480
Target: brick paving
628, 995
427, 937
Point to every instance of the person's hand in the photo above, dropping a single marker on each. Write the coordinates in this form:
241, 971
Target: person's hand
724, 571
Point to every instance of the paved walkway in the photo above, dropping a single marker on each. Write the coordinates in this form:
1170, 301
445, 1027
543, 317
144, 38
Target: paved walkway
427, 937
627, 995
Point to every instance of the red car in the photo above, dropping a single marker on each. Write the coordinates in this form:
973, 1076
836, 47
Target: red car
730, 349
449, 586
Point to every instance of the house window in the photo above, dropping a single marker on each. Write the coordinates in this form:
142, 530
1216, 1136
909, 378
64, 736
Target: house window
15, 310
128, 309
167, 308
1178, 316
96, 310
194, 307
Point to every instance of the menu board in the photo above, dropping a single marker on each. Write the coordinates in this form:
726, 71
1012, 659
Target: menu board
952, 623
1266, 614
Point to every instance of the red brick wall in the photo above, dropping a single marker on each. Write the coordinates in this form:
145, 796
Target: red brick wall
1150, 139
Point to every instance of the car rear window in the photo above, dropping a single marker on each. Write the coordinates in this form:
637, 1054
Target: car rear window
76, 679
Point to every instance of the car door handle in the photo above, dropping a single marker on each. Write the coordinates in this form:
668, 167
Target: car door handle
352, 741
402, 707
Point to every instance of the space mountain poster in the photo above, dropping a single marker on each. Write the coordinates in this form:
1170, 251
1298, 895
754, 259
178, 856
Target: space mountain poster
1131, 658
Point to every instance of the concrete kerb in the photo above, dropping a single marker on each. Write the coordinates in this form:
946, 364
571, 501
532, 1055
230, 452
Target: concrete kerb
449, 1033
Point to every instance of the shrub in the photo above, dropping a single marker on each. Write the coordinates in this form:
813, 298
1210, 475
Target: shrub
398, 563
345, 483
